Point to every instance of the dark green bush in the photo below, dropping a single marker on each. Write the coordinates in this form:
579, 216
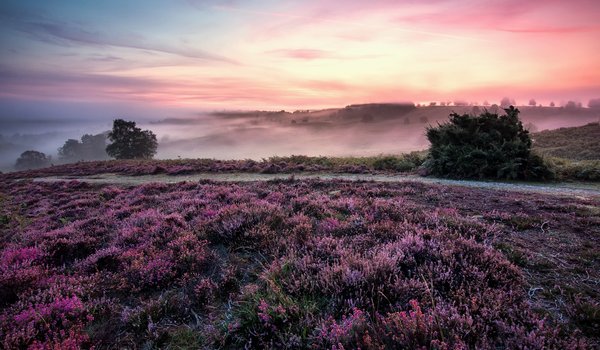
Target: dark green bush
484, 146
402, 163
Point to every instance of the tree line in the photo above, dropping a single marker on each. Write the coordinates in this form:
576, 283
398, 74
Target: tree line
124, 141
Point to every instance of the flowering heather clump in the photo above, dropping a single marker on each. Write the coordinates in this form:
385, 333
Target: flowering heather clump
295, 264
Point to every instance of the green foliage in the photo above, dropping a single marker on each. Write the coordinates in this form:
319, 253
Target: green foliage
184, 338
405, 162
402, 162
484, 146
131, 142
580, 170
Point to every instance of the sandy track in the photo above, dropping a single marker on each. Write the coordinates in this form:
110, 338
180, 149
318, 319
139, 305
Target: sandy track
563, 189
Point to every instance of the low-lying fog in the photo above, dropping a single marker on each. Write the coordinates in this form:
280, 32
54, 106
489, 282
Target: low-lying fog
356, 130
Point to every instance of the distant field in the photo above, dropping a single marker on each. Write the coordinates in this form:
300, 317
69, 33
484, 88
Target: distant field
356, 130
296, 264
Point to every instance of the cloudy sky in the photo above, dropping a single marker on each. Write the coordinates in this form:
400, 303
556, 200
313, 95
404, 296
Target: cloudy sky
112, 56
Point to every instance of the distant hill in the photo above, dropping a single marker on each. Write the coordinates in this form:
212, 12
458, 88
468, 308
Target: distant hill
579, 143
353, 130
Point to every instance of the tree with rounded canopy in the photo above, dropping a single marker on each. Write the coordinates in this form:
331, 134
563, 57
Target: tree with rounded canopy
506, 102
131, 142
572, 105
484, 146
32, 160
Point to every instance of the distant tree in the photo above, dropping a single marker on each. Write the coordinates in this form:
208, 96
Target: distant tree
532, 102
507, 102
131, 142
571, 105
486, 103
431, 104
442, 103
71, 150
91, 147
94, 146
594, 103
461, 103
484, 146
552, 104
32, 160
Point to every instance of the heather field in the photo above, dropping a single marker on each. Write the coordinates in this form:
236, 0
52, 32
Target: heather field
296, 264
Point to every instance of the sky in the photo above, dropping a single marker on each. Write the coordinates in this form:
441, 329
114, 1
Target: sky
95, 59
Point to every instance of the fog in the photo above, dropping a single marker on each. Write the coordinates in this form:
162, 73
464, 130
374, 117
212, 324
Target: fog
358, 130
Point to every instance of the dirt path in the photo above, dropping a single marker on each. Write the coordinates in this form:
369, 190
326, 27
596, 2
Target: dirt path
564, 189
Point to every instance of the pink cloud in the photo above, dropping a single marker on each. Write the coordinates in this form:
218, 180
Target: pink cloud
535, 15
304, 54
313, 54
554, 30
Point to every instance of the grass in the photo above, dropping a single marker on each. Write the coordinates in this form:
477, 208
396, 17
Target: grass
576, 170
400, 163
575, 143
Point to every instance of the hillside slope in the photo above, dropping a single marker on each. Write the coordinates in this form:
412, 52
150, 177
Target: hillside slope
577, 143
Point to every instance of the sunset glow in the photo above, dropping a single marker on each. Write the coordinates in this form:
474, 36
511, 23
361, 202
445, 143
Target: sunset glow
282, 54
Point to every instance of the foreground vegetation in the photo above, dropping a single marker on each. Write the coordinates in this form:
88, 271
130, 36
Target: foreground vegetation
575, 170
295, 264
564, 169
384, 163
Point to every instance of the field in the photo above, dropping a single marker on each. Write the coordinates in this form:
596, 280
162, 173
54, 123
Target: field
296, 264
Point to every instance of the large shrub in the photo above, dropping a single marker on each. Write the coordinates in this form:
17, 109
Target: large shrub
484, 146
